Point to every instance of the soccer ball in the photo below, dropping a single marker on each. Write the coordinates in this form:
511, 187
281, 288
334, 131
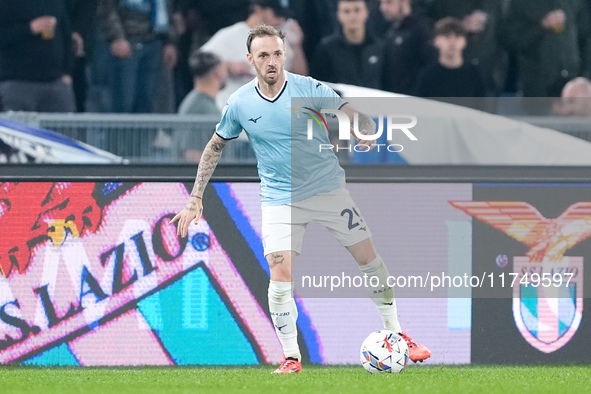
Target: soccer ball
384, 352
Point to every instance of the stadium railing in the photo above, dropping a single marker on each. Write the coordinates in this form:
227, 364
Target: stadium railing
145, 138
165, 138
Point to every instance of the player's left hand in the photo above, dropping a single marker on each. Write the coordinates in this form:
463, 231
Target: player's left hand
370, 144
191, 212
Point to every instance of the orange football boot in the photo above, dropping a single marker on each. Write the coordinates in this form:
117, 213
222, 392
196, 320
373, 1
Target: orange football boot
416, 351
289, 365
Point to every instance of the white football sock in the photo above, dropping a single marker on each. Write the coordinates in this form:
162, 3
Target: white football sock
284, 315
382, 297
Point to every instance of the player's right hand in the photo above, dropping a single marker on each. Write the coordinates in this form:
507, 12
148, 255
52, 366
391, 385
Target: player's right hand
191, 212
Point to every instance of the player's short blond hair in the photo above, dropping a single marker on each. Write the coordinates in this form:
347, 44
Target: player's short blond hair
263, 30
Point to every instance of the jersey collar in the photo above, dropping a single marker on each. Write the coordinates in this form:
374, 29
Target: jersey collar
276, 97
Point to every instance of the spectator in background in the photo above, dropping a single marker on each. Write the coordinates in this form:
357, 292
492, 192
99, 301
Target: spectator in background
192, 31
98, 95
422, 5
552, 39
220, 13
576, 99
351, 55
451, 76
378, 25
141, 41
36, 56
209, 76
317, 19
408, 45
481, 20
82, 15
228, 44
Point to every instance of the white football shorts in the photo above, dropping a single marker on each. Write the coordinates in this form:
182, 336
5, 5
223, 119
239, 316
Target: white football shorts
283, 226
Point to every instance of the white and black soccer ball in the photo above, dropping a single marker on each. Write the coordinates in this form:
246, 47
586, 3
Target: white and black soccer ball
384, 352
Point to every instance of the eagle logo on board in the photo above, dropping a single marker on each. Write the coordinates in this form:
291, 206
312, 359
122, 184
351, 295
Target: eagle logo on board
548, 311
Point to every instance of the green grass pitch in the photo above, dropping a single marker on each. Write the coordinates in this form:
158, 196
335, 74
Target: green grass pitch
315, 379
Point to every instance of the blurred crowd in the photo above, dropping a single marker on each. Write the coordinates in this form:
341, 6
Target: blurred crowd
188, 56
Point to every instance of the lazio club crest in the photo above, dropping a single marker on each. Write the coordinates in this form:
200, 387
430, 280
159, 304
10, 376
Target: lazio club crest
548, 312
547, 286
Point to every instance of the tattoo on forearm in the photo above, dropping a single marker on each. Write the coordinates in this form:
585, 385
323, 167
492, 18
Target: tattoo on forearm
217, 145
277, 259
209, 161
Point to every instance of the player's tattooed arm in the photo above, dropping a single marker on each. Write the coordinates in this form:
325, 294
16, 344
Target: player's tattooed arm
194, 208
209, 161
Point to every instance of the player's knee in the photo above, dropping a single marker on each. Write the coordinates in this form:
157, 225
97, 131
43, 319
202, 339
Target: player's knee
280, 274
363, 252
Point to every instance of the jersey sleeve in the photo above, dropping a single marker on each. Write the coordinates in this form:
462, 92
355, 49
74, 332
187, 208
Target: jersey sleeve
326, 97
229, 127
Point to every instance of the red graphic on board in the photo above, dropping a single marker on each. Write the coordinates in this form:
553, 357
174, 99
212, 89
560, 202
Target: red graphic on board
32, 213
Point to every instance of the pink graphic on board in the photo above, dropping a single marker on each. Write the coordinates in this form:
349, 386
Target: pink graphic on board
71, 286
246, 305
82, 288
126, 340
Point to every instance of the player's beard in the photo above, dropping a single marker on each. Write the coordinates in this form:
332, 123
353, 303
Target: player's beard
278, 71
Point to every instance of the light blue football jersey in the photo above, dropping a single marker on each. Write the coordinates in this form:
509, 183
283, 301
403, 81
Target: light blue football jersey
291, 167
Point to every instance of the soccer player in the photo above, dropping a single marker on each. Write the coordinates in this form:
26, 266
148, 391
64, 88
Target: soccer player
264, 110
